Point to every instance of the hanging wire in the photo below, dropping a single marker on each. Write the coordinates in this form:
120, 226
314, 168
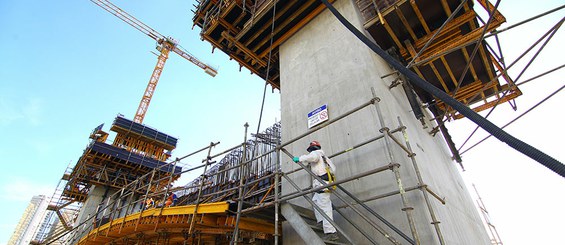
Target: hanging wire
496, 32
505, 71
515, 119
528, 150
268, 68
540, 75
243, 189
553, 31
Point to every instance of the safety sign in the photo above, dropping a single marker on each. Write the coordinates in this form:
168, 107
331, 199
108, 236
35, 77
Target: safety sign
317, 116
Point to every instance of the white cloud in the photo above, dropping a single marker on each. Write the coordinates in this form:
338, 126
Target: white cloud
9, 112
31, 110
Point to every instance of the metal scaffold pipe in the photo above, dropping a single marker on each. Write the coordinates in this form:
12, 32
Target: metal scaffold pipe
337, 183
370, 102
544, 159
423, 187
202, 181
240, 198
277, 194
407, 208
319, 210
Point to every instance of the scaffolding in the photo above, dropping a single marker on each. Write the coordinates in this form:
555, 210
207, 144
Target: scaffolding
61, 213
243, 188
238, 198
493, 233
136, 150
440, 40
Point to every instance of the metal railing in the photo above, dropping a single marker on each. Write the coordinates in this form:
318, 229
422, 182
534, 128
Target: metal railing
250, 174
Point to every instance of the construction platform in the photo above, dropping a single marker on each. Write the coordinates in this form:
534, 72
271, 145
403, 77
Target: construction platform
136, 151
207, 223
440, 40
413, 31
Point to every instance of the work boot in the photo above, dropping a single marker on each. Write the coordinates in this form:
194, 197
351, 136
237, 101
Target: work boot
320, 225
331, 237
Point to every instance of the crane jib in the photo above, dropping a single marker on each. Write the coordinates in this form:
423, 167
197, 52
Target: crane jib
166, 44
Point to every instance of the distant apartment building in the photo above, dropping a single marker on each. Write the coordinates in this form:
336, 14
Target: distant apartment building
29, 222
52, 226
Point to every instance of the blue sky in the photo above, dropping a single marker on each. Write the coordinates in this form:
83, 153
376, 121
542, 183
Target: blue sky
68, 66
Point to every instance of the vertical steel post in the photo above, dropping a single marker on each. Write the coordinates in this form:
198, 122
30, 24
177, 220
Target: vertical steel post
319, 210
342, 198
240, 198
144, 199
406, 208
168, 188
412, 155
277, 193
203, 180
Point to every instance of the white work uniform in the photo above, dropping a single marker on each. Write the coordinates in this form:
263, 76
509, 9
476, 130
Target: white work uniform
323, 199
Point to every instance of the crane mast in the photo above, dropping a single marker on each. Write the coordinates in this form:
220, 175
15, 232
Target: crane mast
150, 89
165, 46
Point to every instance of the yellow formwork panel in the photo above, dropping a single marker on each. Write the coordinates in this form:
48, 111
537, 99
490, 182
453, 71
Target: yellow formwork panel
206, 208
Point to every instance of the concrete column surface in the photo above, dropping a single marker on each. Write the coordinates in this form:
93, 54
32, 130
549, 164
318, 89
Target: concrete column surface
324, 64
88, 209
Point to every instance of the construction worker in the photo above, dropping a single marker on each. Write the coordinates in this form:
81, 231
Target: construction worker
149, 203
171, 200
323, 168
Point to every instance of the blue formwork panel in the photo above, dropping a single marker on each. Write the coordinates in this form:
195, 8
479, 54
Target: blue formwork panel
145, 131
133, 158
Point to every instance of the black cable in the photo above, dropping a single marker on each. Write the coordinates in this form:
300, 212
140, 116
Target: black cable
553, 30
488, 126
515, 119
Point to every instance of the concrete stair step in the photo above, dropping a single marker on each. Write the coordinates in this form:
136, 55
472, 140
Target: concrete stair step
335, 242
301, 219
305, 212
315, 227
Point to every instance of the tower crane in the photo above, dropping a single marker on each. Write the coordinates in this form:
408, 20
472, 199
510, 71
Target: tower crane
164, 45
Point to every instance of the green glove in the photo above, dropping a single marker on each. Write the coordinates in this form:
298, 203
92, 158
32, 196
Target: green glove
296, 159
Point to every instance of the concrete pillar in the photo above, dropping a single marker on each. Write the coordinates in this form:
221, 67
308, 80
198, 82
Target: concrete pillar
325, 64
96, 195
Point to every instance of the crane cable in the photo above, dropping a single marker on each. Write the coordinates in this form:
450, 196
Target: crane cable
494, 130
236, 229
268, 67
